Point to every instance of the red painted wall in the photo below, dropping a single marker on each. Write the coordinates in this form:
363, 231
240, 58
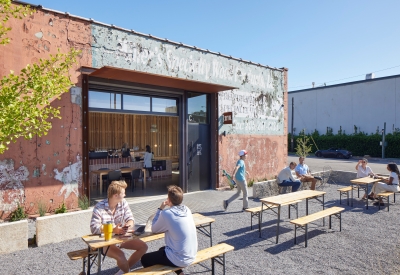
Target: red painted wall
32, 38
267, 155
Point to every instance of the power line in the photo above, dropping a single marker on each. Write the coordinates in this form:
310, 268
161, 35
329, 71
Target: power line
344, 78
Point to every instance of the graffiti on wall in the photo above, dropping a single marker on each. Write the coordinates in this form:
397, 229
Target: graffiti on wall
71, 177
252, 112
122, 49
12, 190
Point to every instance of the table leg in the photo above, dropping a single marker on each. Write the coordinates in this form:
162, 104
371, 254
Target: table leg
277, 225
101, 183
88, 262
99, 261
366, 193
144, 178
306, 206
323, 207
260, 219
351, 195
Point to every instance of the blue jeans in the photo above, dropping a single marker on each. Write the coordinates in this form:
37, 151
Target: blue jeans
295, 184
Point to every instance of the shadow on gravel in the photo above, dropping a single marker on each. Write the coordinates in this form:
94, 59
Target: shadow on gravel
281, 247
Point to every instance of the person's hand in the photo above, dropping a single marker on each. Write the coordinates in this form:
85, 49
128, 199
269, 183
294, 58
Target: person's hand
163, 204
120, 230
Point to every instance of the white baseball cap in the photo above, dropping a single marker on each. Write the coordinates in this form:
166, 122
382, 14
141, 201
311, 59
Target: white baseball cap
242, 153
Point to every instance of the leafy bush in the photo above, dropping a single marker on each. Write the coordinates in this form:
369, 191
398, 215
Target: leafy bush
42, 208
18, 214
61, 209
359, 144
83, 202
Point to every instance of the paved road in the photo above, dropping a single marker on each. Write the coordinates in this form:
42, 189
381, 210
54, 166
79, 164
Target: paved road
317, 164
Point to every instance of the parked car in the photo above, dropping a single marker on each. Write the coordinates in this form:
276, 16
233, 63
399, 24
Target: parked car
334, 153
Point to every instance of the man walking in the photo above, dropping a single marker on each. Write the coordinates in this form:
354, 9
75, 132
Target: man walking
240, 174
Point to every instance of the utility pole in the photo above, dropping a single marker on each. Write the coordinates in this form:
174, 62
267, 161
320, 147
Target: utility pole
383, 140
291, 140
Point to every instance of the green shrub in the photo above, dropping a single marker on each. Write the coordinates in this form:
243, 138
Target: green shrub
62, 209
359, 144
18, 214
83, 202
42, 208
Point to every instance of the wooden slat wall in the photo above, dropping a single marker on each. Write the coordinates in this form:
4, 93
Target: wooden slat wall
108, 131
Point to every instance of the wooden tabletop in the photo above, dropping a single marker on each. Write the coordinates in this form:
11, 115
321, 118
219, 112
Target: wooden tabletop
96, 241
365, 180
285, 198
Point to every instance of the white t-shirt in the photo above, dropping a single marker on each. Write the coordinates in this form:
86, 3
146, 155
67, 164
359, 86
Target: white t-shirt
395, 178
361, 172
286, 174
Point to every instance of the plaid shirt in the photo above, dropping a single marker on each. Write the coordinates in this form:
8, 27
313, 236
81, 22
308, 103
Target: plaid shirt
102, 214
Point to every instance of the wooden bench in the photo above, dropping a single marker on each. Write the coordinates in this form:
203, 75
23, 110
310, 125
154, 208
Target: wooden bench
212, 253
77, 255
255, 211
385, 196
345, 192
304, 221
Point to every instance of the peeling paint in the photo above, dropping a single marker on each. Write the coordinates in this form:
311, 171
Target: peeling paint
39, 35
12, 190
71, 177
48, 142
36, 172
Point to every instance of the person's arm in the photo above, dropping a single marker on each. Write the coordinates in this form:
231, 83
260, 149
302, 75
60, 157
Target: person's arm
235, 170
297, 173
358, 163
159, 224
370, 173
291, 176
96, 222
128, 216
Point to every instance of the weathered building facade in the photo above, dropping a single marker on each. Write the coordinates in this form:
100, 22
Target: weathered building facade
126, 64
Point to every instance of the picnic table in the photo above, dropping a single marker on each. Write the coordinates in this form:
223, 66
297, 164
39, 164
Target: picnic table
96, 242
284, 199
362, 183
101, 173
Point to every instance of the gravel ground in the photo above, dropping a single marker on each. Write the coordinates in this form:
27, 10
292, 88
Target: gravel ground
368, 242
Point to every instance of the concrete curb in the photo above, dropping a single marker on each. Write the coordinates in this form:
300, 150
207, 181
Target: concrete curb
61, 227
14, 236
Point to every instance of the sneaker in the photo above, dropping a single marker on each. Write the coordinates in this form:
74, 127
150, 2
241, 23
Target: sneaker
225, 204
120, 272
149, 179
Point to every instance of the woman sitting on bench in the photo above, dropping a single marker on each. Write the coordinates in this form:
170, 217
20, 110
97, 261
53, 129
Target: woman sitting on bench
391, 184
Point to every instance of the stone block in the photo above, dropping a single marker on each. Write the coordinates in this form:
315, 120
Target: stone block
13, 236
61, 227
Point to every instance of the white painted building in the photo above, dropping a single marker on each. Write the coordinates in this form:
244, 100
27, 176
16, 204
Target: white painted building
365, 105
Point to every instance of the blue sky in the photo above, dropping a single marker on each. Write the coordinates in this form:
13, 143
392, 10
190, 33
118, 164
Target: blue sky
319, 41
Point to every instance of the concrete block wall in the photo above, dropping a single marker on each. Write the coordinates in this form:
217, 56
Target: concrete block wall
13, 236
61, 227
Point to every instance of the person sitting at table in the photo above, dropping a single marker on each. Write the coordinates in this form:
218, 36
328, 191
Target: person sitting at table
115, 209
391, 184
363, 170
285, 177
180, 233
303, 173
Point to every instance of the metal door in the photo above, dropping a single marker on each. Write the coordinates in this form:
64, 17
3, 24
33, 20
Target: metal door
198, 157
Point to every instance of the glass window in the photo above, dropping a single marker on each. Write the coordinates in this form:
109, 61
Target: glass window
104, 100
164, 105
136, 103
197, 108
